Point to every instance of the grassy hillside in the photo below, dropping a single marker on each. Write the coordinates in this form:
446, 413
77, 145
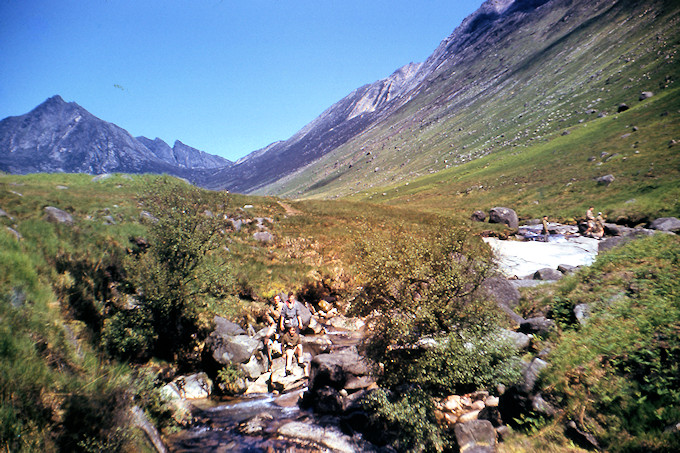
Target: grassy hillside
513, 95
557, 177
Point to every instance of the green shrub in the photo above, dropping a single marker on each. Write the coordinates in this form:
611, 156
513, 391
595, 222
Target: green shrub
406, 420
231, 378
469, 359
172, 278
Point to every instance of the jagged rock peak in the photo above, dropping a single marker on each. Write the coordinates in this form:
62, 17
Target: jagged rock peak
383, 91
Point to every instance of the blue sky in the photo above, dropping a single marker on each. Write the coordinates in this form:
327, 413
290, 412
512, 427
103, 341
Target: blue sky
224, 76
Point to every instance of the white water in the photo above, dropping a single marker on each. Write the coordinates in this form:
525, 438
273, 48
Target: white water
523, 258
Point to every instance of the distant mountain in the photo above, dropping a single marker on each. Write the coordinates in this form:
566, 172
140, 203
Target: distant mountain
340, 123
183, 156
59, 136
512, 73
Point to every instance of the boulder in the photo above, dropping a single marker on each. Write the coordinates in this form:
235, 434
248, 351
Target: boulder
567, 269
532, 372
622, 108
255, 425
582, 313
194, 386
336, 369
283, 382
502, 291
478, 216
645, 95
581, 438
327, 400
666, 224
146, 216
263, 236
305, 315
15, 233
226, 328
519, 339
492, 414
548, 274
56, 215
539, 325
504, 215
261, 384
255, 366
236, 349
541, 406
605, 180
478, 436
330, 437
342, 322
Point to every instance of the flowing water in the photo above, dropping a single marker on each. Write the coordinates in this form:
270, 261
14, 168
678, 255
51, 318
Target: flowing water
249, 424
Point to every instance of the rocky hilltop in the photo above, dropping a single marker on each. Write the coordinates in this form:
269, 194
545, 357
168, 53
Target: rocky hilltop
59, 136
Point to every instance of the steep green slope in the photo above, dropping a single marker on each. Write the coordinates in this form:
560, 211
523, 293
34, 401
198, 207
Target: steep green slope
514, 90
557, 177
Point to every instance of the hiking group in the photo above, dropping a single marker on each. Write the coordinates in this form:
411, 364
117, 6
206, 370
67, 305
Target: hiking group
286, 315
595, 225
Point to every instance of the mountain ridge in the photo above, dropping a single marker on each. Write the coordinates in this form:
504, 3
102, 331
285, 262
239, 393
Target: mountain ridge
60, 136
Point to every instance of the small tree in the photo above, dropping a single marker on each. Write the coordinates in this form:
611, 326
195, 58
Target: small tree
174, 275
428, 327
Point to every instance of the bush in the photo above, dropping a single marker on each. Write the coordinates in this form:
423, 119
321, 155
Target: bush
420, 286
173, 276
406, 421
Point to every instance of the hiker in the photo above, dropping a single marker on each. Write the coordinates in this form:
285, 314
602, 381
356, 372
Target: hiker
290, 314
273, 314
598, 231
292, 346
544, 231
590, 219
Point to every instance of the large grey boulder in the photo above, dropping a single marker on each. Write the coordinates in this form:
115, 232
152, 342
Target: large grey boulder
224, 327
56, 215
232, 349
519, 340
504, 215
666, 224
254, 368
502, 291
476, 436
337, 369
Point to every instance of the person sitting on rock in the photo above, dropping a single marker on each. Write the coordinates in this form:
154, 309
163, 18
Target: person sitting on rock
590, 219
292, 346
272, 317
598, 230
